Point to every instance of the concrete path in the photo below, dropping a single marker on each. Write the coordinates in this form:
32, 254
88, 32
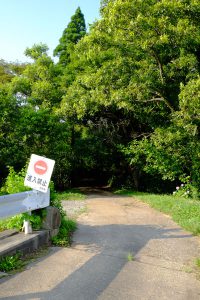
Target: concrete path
122, 250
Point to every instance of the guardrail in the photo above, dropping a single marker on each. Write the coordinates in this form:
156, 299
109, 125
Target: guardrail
13, 204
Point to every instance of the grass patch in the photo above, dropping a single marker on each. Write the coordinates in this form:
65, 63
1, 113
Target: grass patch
69, 195
11, 262
13, 222
63, 238
185, 212
17, 262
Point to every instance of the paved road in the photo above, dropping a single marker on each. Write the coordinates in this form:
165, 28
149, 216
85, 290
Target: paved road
122, 250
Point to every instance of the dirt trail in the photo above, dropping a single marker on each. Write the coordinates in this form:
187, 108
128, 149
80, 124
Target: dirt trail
122, 250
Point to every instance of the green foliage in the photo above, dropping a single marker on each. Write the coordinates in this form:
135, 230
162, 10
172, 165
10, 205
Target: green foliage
171, 152
37, 50
14, 182
9, 115
9, 263
64, 236
130, 257
69, 195
67, 227
39, 85
75, 30
9, 70
5, 72
15, 222
186, 189
56, 202
135, 57
123, 99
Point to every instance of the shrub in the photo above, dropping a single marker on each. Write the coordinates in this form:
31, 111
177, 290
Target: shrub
14, 182
63, 238
9, 263
186, 189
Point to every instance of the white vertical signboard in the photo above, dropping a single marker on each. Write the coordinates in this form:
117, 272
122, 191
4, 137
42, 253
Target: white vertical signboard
39, 173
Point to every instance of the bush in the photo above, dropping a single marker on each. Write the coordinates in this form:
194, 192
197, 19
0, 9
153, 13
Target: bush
186, 189
9, 263
14, 182
63, 238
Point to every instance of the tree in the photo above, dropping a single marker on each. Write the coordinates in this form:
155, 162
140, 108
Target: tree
138, 54
75, 30
39, 84
36, 51
134, 60
32, 99
9, 144
9, 70
173, 151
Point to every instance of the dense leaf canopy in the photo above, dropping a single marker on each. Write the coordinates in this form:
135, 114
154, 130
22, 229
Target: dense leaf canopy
122, 103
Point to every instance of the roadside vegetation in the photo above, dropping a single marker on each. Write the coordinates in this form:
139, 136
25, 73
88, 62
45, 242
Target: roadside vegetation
71, 194
17, 262
11, 262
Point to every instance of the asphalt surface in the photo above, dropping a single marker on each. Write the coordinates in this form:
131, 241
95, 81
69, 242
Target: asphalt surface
122, 250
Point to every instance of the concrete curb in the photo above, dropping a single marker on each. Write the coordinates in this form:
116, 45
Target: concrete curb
25, 243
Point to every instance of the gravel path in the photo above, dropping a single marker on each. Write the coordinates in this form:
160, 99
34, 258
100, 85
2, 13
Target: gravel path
74, 207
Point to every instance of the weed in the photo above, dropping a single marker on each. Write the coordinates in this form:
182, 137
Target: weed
130, 257
198, 263
9, 263
63, 238
17, 262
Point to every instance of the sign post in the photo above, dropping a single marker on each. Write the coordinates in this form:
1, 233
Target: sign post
39, 173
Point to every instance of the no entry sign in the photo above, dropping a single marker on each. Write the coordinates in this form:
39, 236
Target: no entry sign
39, 173
40, 167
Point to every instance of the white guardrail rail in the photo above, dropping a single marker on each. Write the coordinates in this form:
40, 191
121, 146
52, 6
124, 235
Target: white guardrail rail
13, 204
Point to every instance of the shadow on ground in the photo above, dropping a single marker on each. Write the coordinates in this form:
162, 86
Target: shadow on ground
110, 244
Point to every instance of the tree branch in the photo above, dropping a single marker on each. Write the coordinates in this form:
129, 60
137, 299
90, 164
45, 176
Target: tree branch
159, 65
159, 99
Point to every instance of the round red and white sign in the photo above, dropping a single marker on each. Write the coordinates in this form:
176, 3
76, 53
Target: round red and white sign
40, 167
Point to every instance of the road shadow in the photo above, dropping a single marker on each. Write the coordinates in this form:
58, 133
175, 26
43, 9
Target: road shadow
96, 190
110, 245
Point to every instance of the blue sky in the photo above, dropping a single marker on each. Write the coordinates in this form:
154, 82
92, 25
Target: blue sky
26, 22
